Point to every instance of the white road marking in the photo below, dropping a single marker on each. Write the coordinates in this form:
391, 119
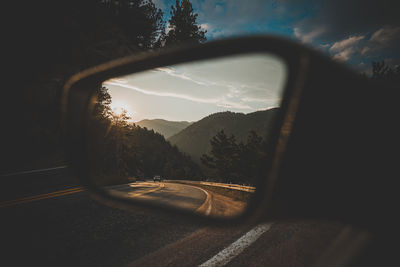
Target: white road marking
33, 171
207, 201
227, 254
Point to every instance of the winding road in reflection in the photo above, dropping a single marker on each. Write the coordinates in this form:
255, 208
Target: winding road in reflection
183, 196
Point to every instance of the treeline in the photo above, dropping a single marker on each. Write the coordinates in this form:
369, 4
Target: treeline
119, 149
230, 161
383, 72
51, 41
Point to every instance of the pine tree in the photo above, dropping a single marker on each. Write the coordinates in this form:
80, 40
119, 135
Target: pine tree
223, 156
237, 162
183, 27
140, 20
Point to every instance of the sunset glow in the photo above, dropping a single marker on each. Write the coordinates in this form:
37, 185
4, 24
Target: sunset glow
118, 107
192, 91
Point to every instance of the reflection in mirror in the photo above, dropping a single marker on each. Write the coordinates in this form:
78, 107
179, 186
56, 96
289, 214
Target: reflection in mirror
192, 136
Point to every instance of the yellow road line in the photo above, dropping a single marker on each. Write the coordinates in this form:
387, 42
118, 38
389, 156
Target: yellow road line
41, 196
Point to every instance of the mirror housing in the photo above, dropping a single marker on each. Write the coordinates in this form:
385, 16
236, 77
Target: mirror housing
322, 129
338, 164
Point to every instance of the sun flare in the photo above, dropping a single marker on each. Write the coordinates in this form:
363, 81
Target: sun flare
118, 107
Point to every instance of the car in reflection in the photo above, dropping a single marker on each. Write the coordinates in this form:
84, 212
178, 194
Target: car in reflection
333, 130
294, 185
157, 178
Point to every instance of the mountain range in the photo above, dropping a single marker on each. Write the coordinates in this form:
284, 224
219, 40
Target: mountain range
194, 140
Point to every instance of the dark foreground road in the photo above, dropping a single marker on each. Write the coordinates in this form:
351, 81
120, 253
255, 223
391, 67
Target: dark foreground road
74, 230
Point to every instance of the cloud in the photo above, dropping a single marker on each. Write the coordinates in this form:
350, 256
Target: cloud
225, 102
381, 44
172, 72
118, 80
344, 55
313, 22
343, 49
168, 94
341, 18
159, 4
235, 17
309, 36
245, 82
346, 43
206, 26
385, 37
377, 21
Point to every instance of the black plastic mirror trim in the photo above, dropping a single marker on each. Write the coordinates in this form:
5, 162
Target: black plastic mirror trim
74, 111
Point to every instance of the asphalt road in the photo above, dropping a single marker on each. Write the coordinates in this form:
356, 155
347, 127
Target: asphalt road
169, 194
190, 197
74, 230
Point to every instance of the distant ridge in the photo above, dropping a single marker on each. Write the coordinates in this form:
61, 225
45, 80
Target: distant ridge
194, 140
164, 127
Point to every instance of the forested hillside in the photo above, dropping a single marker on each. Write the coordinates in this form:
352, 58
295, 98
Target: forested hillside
195, 139
119, 149
164, 127
51, 41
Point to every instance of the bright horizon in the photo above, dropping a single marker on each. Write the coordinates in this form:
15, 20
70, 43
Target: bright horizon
192, 91
198, 119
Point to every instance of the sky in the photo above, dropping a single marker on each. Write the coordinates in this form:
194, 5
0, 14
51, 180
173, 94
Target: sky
355, 32
192, 91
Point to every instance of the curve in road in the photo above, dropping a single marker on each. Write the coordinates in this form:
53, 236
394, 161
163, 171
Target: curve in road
182, 196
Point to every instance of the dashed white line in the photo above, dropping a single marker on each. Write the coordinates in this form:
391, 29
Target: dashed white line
227, 254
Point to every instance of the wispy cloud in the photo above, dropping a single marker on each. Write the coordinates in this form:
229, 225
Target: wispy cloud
384, 37
172, 72
343, 49
117, 80
346, 43
168, 94
221, 102
243, 83
308, 37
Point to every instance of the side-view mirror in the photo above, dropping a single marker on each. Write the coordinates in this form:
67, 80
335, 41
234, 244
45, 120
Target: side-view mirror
225, 131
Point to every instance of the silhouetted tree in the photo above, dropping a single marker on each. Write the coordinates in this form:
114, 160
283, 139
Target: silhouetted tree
139, 19
240, 163
118, 149
381, 71
253, 158
223, 156
102, 109
56, 39
182, 26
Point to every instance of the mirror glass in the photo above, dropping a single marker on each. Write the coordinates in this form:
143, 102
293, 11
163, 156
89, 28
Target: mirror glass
192, 136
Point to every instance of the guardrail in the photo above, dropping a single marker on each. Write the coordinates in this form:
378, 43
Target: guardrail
245, 188
250, 189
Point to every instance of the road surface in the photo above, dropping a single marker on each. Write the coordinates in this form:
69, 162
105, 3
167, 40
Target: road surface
50, 227
161, 193
184, 196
